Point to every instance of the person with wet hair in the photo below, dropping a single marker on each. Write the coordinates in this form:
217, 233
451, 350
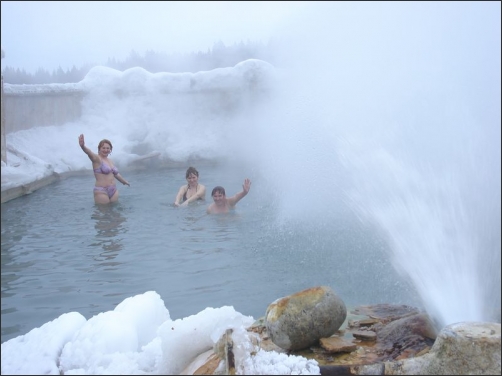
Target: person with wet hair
192, 191
105, 190
222, 203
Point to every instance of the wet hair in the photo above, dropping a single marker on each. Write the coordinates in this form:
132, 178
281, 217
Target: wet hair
191, 170
105, 141
218, 189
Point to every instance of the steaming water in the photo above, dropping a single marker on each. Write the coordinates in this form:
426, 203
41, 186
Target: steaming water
398, 115
62, 253
376, 143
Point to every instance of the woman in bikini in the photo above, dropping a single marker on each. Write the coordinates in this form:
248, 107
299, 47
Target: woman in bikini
105, 190
192, 191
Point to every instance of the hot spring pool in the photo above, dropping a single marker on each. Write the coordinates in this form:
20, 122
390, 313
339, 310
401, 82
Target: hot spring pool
62, 253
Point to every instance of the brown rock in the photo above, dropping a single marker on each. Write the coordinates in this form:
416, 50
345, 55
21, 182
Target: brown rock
299, 320
365, 335
416, 324
367, 322
385, 312
465, 348
337, 345
407, 336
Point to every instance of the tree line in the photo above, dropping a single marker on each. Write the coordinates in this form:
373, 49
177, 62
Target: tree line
220, 56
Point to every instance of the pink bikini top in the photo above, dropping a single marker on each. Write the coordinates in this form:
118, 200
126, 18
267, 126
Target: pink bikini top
105, 169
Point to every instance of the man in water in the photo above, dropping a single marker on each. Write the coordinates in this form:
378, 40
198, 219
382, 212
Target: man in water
221, 203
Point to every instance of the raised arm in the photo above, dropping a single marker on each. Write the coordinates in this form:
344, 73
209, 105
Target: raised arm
238, 196
93, 157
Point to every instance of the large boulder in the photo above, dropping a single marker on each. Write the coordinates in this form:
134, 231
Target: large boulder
299, 320
466, 348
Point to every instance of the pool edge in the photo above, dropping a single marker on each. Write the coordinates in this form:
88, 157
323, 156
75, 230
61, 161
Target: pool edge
25, 189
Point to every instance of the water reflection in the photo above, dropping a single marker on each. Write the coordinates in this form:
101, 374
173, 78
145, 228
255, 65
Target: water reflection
109, 227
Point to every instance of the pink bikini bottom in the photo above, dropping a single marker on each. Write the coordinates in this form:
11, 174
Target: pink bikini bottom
110, 190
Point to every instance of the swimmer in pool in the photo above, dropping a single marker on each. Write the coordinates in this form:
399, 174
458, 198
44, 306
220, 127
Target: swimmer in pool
221, 203
105, 190
192, 191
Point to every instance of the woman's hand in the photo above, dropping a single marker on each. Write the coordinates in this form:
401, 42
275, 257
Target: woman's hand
81, 141
246, 185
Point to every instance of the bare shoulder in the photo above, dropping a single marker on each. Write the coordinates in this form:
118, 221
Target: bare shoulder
95, 158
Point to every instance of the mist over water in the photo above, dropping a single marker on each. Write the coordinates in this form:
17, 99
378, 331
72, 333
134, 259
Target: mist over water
384, 113
394, 111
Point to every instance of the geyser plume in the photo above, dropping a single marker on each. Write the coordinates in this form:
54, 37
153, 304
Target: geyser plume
394, 110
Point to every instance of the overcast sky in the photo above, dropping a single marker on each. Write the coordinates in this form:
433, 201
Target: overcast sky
49, 34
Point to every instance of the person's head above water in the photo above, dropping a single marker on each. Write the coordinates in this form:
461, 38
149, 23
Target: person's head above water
218, 189
192, 191
222, 203
191, 170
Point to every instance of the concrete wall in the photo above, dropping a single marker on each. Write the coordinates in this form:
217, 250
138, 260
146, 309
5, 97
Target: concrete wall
25, 110
28, 106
